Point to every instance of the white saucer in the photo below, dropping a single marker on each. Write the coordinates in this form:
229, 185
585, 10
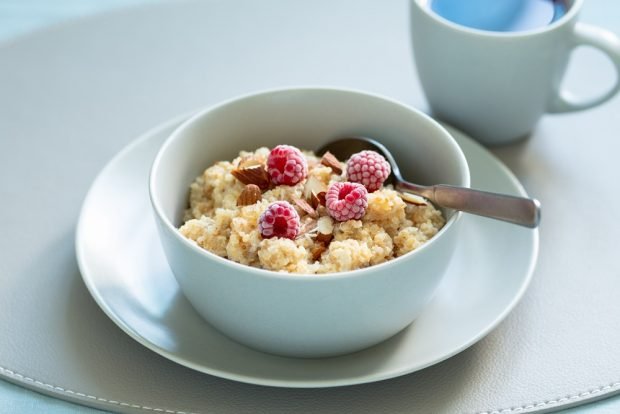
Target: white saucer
126, 272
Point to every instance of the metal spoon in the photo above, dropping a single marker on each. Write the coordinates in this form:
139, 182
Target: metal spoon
517, 210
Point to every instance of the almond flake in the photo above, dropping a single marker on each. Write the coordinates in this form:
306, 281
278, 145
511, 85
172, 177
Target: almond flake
324, 238
413, 199
313, 185
255, 174
306, 207
320, 197
330, 160
317, 250
308, 226
251, 194
325, 227
248, 162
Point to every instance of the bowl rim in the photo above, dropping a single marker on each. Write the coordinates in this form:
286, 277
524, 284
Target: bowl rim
281, 275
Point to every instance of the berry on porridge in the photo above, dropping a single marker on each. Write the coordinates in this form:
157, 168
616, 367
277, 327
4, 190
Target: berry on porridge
368, 168
280, 219
286, 165
346, 201
290, 210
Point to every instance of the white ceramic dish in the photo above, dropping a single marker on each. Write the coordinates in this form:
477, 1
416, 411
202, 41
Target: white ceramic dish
125, 270
305, 315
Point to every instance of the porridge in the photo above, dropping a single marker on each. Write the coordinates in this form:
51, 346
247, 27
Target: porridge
293, 211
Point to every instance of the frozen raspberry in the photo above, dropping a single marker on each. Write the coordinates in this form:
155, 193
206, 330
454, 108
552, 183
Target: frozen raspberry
286, 165
279, 220
368, 168
346, 201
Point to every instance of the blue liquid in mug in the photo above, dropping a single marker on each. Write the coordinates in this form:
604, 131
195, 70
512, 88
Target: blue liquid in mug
501, 15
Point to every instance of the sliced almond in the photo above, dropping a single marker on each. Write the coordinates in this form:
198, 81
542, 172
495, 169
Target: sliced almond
314, 200
317, 250
324, 238
325, 230
313, 185
325, 225
248, 162
306, 207
320, 197
413, 199
251, 194
255, 174
332, 162
308, 226
322, 211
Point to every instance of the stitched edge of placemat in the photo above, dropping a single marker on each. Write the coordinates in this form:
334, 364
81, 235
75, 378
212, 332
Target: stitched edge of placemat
87, 399
77, 396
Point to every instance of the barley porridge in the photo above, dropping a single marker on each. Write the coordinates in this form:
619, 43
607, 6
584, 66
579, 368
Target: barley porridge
292, 211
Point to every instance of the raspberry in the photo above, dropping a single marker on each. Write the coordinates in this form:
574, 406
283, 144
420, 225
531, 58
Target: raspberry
280, 219
368, 168
286, 165
346, 201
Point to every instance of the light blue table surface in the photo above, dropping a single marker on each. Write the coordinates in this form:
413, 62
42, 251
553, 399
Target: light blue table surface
18, 17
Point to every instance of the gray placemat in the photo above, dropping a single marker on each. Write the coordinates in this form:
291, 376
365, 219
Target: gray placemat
73, 96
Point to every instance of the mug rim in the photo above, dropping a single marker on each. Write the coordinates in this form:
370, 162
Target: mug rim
573, 10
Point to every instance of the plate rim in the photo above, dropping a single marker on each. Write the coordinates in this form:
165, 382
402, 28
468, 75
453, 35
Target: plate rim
258, 380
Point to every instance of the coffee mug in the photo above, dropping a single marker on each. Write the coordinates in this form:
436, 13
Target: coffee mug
496, 85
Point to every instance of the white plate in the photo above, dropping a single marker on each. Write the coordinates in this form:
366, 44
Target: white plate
124, 268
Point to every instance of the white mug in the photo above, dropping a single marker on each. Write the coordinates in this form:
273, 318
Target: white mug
496, 85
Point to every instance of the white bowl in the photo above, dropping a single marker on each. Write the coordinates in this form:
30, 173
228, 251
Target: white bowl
292, 314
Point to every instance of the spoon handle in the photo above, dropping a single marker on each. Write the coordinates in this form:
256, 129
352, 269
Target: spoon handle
517, 210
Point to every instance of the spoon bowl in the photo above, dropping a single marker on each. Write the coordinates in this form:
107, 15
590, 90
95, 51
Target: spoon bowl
517, 210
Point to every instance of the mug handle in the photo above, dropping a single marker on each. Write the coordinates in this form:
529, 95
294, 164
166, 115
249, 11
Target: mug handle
608, 43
